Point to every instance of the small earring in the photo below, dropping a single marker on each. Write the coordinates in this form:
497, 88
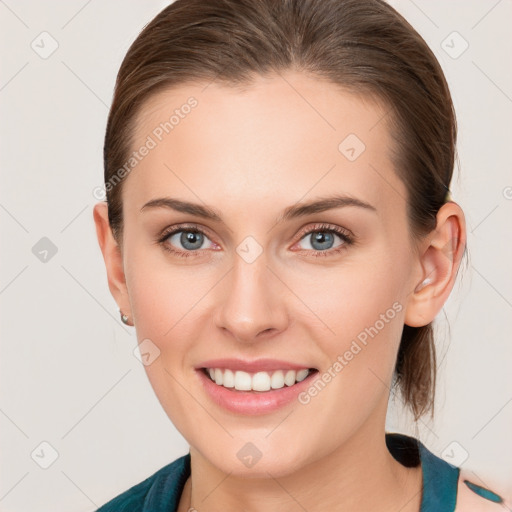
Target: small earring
424, 283
124, 318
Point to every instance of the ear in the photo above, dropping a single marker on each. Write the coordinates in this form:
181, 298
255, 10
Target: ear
439, 260
113, 258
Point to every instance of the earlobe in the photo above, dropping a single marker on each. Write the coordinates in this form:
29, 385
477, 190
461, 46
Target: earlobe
439, 262
112, 257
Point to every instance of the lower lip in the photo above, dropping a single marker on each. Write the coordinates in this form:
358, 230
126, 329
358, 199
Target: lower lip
253, 402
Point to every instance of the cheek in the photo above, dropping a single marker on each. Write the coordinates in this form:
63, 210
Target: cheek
354, 382
359, 314
163, 296
165, 303
342, 302
171, 306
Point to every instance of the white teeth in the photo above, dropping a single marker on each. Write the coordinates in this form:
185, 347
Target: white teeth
260, 381
242, 381
302, 374
228, 379
289, 378
277, 380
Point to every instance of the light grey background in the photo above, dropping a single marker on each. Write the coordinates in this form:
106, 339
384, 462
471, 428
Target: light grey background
68, 372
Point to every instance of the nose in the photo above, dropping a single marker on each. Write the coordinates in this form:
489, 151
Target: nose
252, 302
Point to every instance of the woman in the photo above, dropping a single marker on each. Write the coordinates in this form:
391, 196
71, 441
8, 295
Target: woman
278, 228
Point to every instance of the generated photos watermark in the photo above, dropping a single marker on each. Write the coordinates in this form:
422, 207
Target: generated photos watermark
344, 359
152, 140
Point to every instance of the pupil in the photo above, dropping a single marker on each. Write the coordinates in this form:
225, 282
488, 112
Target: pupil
191, 238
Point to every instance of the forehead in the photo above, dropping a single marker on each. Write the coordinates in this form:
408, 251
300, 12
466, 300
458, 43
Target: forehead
279, 138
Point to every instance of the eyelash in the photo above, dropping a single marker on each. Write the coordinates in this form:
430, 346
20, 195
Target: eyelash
344, 234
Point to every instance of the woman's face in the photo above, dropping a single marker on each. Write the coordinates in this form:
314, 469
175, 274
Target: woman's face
258, 284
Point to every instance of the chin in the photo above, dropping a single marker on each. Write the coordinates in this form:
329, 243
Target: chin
253, 460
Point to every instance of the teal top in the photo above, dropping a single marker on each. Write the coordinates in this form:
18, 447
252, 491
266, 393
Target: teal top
161, 492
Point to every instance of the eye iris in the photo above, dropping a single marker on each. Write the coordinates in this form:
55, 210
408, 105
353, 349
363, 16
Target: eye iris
193, 238
321, 238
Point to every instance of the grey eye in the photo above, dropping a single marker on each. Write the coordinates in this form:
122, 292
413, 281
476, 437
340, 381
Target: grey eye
189, 240
321, 240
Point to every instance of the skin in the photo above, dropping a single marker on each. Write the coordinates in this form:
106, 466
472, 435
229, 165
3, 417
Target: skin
250, 154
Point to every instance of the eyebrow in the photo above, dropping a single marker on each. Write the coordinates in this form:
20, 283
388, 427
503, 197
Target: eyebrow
292, 212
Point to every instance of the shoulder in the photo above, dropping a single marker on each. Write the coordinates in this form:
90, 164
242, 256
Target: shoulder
474, 496
160, 491
447, 487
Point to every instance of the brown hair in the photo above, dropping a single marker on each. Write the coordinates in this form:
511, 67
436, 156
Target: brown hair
364, 46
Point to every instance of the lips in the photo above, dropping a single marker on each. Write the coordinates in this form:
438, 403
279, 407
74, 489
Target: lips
253, 402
